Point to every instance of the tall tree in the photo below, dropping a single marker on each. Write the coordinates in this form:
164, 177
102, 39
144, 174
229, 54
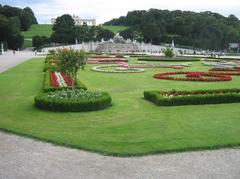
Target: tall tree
63, 29
29, 10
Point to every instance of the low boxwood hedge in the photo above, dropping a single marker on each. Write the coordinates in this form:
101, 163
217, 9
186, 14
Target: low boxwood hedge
196, 97
47, 85
66, 101
173, 59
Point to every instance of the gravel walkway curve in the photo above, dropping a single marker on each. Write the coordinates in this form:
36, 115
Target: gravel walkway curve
25, 158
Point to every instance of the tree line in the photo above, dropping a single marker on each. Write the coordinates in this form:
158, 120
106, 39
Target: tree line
13, 20
205, 30
66, 32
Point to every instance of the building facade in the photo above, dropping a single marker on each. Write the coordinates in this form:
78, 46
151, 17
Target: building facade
79, 21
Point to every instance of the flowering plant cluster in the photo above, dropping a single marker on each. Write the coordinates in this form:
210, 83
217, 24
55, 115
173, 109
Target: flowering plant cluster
151, 66
220, 64
174, 93
194, 76
225, 69
116, 69
60, 79
196, 97
79, 94
185, 64
105, 60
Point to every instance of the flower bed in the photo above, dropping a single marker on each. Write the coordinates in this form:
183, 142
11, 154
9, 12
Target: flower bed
220, 64
51, 82
194, 76
116, 69
106, 60
67, 101
226, 69
60, 79
173, 59
174, 98
150, 66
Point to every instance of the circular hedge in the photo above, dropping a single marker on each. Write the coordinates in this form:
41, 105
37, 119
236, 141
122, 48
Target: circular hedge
67, 101
116, 69
194, 76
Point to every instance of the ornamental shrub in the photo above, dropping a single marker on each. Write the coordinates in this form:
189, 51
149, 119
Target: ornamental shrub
196, 97
66, 101
168, 53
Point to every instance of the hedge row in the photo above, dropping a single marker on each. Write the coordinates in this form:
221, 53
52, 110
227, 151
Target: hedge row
47, 85
174, 59
42, 101
197, 97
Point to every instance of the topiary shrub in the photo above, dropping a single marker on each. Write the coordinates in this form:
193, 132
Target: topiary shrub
168, 52
67, 101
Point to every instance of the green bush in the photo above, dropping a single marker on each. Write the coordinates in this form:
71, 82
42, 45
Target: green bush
168, 53
67, 101
196, 98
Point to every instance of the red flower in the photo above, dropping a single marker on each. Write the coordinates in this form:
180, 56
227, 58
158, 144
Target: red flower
53, 80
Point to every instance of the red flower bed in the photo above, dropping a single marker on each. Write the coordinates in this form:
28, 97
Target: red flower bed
194, 76
67, 79
225, 69
229, 73
53, 80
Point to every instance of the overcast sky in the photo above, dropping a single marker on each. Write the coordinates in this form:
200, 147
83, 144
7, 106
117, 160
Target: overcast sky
105, 10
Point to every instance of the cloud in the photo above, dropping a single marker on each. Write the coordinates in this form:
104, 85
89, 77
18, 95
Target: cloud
104, 10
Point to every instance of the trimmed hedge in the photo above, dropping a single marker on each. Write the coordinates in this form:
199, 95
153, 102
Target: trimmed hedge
197, 97
174, 59
47, 85
43, 101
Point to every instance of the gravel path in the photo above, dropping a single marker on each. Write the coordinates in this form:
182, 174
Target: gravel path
25, 158
8, 59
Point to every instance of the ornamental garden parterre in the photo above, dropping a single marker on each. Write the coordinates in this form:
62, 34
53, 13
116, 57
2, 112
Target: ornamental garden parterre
63, 92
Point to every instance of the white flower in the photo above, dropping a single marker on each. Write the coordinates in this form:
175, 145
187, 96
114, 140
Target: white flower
60, 80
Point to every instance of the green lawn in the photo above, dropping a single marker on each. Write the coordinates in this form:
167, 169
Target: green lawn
27, 43
46, 30
115, 29
132, 126
38, 29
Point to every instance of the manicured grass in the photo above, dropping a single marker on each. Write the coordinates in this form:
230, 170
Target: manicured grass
27, 43
38, 29
132, 126
46, 30
115, 29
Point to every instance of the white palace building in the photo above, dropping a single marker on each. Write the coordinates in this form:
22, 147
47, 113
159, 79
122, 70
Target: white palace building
79, 21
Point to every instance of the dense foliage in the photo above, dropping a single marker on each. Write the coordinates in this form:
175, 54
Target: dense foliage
12, 21
65, 31
205, 30
40, 41
175, 98
81, 100
71, 61
168, 52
